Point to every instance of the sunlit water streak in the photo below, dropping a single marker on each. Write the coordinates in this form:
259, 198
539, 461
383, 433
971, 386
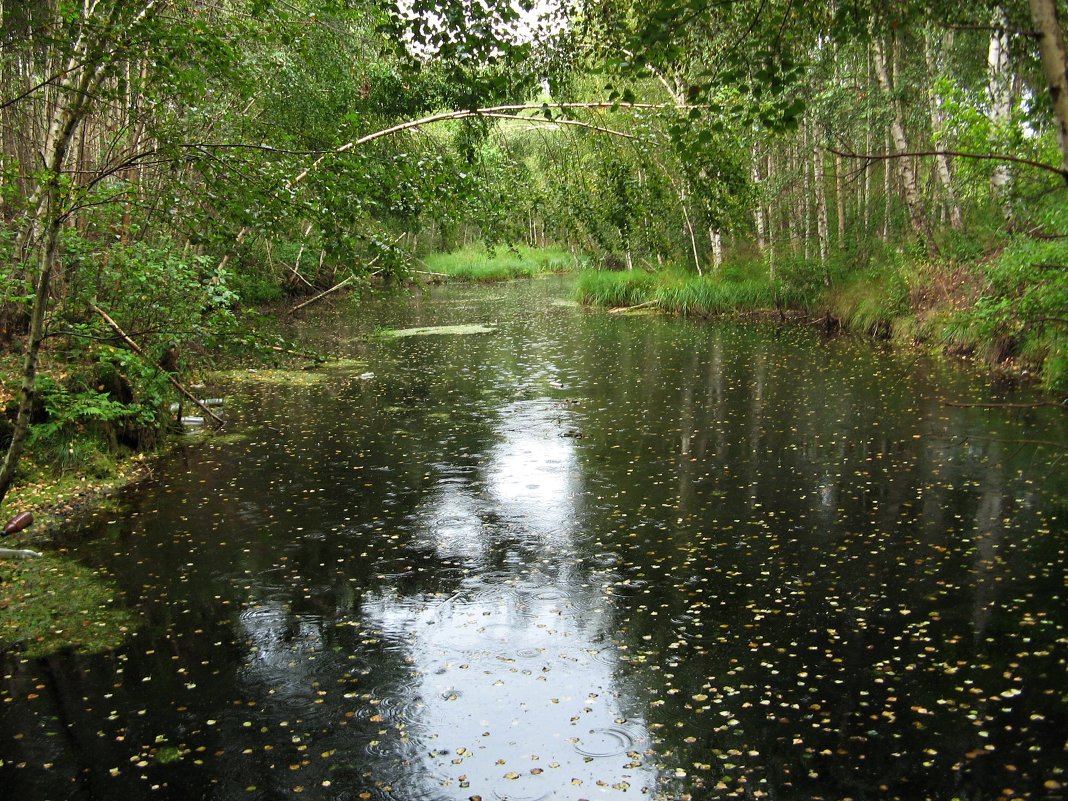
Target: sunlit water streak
581, 557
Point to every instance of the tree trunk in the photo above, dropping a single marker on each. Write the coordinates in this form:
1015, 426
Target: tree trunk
758, 211
999, 88
693, 238
806, 194
793, 208
937, 121
771, 219
28, 389
72, 101
897, 130
866, 197
821, 206
839, 189
1054, 67
887, 194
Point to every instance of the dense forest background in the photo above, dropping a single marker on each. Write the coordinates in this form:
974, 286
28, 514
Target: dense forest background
167, 165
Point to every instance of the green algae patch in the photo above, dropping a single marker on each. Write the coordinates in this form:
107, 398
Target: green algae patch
291, 377
52, 602
453, 330
231, 437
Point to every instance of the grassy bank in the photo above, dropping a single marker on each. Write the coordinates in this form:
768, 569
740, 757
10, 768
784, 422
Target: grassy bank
52, 602
1006, 307
483, 265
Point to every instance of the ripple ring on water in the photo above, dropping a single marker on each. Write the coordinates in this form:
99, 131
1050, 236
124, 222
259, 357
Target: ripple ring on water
606, 742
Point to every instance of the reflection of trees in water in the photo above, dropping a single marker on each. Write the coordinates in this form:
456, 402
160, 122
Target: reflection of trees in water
512, 686
827, 554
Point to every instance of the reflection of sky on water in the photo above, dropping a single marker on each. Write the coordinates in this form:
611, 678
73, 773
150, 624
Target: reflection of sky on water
513, 694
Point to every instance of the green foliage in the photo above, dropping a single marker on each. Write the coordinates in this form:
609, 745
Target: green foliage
708, 295
255, 289
1022, 311
740, 288
163, 297
500, 264
871, 301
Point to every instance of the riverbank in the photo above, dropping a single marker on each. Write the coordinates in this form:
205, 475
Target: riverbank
1004, 310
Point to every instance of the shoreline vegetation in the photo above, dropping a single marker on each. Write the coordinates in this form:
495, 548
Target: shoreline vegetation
958, 309
943, 305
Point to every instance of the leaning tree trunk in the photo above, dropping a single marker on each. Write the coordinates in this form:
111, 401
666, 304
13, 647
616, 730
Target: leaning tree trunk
897, 130
50, 217
999, 90
87, 66
1054, 67
937, 124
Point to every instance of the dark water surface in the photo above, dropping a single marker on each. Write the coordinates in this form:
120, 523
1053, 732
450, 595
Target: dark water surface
582, 557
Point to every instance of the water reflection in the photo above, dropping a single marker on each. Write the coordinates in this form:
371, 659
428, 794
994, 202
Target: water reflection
513, 689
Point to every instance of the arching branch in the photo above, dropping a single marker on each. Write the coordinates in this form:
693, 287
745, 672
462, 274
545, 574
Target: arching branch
478, 112
959, 154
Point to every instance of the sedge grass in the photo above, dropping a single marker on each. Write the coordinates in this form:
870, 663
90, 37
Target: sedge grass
500, 264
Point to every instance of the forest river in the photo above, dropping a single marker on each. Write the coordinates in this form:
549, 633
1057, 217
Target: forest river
575, 556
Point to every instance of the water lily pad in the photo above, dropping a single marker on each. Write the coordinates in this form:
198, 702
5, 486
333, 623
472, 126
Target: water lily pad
472, 328
306, 377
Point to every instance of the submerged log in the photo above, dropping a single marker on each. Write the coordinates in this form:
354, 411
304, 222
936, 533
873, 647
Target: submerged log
19, 522
18, 552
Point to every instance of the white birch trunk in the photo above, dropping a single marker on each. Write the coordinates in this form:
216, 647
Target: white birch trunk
806, 194
771, 219
999, 90
909, 180
819, 180
839, 189
937, 122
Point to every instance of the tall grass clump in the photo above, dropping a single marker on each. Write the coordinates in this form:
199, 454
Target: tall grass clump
499, 264
708, 295
601, 288
874, 302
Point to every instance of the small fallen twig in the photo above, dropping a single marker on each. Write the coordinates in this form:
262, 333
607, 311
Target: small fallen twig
624, 309
303, 354
1034, 405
